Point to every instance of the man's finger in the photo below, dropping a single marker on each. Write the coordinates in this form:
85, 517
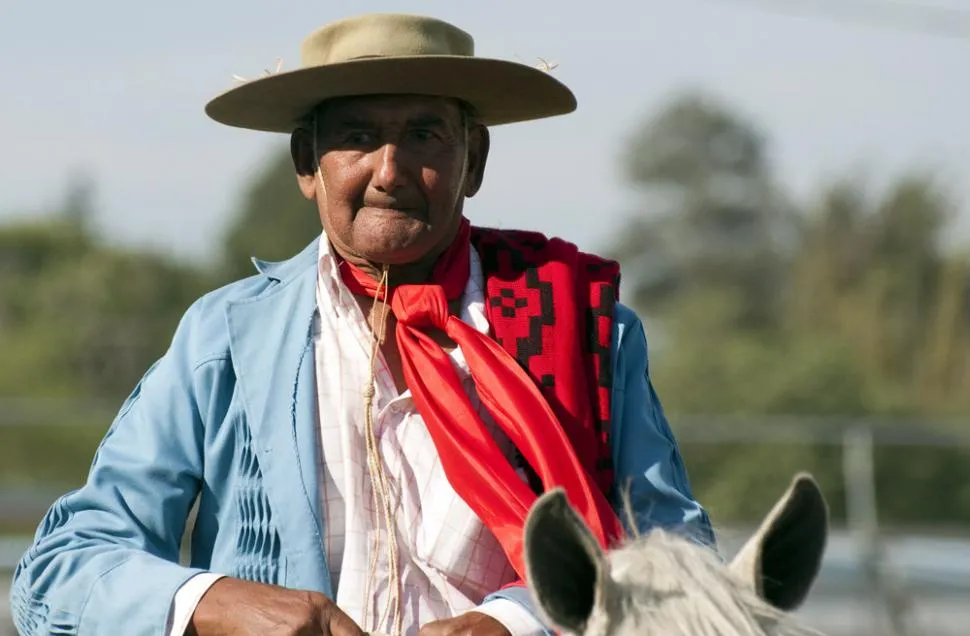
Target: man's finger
434, 628
342, 625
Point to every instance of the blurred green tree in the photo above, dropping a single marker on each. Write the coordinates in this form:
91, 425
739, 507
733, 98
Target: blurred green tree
717, 221
845, 307
850, 305
274, 221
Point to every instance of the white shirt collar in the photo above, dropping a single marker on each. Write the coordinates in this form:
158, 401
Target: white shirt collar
472, 309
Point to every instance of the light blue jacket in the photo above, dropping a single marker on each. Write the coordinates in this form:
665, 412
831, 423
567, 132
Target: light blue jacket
228, 415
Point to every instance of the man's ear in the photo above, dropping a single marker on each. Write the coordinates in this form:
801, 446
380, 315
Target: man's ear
305, 164
565, 566
479, 143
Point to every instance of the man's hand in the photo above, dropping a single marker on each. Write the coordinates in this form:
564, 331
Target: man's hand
468, 624
232, 607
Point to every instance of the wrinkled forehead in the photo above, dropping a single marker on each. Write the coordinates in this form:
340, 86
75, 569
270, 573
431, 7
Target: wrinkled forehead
391, 109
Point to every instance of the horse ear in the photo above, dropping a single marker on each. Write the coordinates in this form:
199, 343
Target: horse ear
783, 558
564, 563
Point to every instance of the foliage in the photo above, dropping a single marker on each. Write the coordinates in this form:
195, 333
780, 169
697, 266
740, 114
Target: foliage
720, 224
274, 222
81, 319
844, 306
847, 306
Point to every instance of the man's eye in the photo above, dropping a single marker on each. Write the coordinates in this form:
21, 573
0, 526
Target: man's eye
358, 138
423, 134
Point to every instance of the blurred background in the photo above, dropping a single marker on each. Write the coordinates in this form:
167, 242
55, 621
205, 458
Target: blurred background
785, 184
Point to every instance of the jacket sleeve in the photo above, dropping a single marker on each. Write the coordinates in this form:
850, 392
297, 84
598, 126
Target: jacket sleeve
647, 460
104, 559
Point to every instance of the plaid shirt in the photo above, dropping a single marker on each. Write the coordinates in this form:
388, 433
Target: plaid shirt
449, 561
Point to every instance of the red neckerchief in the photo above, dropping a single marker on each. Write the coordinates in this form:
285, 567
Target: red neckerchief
472, 461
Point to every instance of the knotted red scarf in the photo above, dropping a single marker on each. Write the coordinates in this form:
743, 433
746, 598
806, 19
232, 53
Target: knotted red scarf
472, 461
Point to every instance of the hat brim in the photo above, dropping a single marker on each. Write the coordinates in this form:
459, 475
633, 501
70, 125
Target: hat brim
501, 92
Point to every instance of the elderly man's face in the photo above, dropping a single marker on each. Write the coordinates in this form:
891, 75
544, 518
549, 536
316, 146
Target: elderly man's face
394, 174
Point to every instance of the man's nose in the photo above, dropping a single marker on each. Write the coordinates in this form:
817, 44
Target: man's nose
389, 173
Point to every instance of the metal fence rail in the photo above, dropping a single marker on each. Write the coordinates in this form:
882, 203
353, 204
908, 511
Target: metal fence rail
904, 585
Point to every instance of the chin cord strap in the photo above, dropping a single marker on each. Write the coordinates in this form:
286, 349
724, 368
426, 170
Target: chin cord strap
380, 490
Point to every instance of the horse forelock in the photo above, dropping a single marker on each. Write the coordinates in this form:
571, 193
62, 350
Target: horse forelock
663, 583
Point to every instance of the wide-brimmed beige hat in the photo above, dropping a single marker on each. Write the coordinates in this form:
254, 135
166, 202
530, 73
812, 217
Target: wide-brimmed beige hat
385, 53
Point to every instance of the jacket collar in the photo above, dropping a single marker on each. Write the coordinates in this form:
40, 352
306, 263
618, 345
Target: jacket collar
283, 271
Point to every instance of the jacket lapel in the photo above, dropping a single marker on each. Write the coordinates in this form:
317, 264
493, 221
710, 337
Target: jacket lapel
270, 338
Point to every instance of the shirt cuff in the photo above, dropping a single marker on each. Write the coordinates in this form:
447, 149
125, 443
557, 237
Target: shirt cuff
186, 600
515, 618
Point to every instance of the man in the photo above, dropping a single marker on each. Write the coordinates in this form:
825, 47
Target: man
364, 426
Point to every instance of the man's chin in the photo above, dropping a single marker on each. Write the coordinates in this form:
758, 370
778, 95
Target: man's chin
397, 240
399, 252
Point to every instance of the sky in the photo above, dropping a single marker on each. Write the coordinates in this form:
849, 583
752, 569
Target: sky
116, 89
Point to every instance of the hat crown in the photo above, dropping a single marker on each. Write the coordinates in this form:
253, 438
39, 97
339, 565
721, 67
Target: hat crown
384, 35
392, 54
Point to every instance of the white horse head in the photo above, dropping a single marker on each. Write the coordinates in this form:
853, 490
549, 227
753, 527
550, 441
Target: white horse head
663, 584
